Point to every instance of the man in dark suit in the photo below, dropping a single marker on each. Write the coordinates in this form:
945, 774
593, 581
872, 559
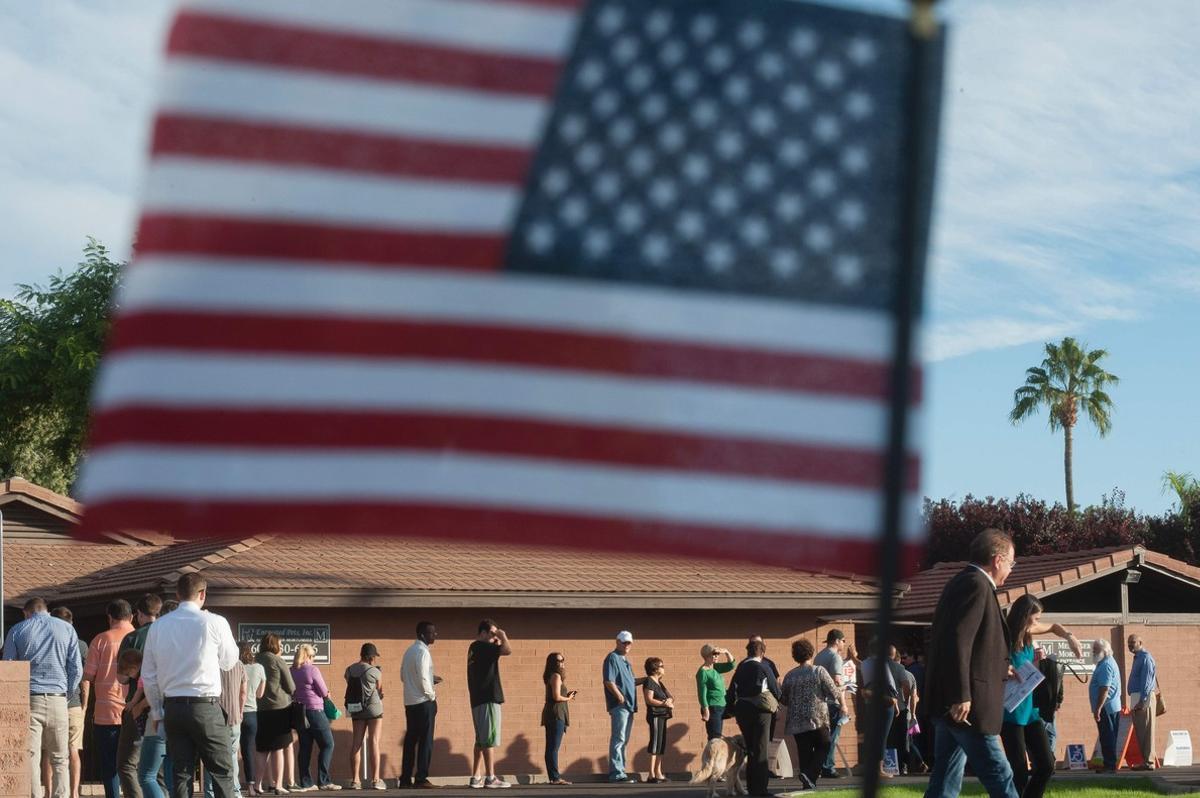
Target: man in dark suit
964, 679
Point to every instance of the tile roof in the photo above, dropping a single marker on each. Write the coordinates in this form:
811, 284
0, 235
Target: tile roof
275, 563
23, 488
42, 568
1036, 575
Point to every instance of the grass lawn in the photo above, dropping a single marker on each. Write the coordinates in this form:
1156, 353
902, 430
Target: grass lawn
1058, 788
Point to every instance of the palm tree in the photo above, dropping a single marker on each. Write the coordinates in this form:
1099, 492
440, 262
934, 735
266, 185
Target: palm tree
1185, 486
1070, 376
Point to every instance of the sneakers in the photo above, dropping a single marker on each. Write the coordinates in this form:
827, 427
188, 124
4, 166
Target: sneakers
354, 785
496, 783
475, 783
330, 786
378, 785
309, 788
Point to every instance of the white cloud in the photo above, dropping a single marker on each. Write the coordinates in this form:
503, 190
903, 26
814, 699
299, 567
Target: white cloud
1069, 168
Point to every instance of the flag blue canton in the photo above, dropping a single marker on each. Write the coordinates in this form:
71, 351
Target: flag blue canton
749, 147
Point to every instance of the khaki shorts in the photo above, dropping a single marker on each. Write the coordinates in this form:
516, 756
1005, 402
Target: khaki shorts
75, 728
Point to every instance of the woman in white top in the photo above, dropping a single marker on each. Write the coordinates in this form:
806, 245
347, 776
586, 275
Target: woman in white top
256, 684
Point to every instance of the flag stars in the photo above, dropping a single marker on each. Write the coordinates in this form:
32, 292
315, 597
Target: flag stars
540, 237
818, 237
686, 83
796, 97
658, 24
656, 249
754, 231
724, 200
663, 192
730, 144
826, 128
607, 186
703, 27
630, 217
690, 225
855, 160
763, 121
610, 19
758, 175
639, 78
705, 114
597, 243
793, 152
622, 131
653, 108
696, 168
770, 65
572, 128
789, 207
862, 51
672, 53
590, 75
719, 257
848, 270
803, 42
737, 89
574, 211
751, 34
822, 183
719, 58
851, 215
555, 181
859, 105
640, 161
589, 156
784, 263
829, 74
672, 138
626, 49
605, 103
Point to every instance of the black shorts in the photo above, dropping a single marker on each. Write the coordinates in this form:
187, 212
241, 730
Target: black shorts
658, 735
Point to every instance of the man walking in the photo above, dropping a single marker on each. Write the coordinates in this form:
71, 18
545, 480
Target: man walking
420, 707
968, 663
76, 702
51, 648
129, 743
483, 683
1104, 690
181, 673
109, 688
1143, 683
620, 697
831, 659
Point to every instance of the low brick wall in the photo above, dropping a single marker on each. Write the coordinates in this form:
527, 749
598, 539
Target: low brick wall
14, 730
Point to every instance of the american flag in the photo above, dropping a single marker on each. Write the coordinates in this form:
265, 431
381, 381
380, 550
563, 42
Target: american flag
613, 274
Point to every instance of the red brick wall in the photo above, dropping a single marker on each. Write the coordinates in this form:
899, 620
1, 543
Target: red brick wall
1175, 653
14, 729
583, 636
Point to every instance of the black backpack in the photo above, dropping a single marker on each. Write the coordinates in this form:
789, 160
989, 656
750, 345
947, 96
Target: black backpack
354, 690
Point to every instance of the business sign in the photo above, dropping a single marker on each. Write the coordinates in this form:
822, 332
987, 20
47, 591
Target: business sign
1179, 750
1061, 651
290, 635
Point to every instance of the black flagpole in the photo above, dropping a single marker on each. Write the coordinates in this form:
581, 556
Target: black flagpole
917, 143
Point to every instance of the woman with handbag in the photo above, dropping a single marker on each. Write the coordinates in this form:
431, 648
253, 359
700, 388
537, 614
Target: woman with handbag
274, 733
756, 692
311, 694
808, 691
659, 705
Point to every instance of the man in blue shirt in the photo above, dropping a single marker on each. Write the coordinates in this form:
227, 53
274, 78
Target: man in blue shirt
620, 696
1104, 690
51, 648
1143, 681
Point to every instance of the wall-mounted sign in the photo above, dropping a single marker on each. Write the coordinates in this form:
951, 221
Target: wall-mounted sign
291, 635
1061, 651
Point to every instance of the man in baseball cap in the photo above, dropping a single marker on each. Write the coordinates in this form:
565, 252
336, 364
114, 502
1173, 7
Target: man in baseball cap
620, 696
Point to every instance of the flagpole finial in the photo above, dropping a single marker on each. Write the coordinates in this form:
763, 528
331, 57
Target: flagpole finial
923, 21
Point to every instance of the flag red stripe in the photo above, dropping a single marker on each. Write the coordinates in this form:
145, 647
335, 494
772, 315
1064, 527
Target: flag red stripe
233, 237
193, 517
176, 134
232, 39
536, 347
493, 435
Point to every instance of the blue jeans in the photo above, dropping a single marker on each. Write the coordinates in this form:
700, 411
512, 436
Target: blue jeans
554, 735
235, 736
835, 712
154, 753
953, 747
106, 738
1107, 726
622, 725
713, 725
318, 732
1051, 734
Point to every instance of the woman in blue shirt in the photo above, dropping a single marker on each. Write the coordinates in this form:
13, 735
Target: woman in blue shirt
1024, 732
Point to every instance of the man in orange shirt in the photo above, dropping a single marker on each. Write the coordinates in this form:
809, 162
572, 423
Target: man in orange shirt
101, 671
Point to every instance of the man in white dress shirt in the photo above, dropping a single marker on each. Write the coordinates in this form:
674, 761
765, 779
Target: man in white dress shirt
186, 651
420, 708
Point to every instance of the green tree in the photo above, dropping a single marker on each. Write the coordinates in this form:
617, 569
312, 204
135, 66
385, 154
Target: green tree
50, 344
1070, 377
1185, 487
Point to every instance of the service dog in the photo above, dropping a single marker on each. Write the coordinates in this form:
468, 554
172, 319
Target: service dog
724, 758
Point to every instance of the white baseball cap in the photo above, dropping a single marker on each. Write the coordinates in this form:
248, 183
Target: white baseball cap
625, 637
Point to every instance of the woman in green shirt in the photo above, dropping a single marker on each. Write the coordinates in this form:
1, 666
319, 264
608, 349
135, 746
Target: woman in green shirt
710, 686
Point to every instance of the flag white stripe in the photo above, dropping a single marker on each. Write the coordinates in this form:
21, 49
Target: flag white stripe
193, 379
349, 475
485, 25
187, 283
208, 87
252, 190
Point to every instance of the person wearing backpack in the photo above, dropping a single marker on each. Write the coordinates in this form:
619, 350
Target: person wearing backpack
364, 705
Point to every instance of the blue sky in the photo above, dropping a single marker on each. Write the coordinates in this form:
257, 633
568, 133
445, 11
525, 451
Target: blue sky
1068, 204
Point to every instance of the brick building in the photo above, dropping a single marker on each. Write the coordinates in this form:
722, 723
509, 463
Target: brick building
342, 592
1101, 593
